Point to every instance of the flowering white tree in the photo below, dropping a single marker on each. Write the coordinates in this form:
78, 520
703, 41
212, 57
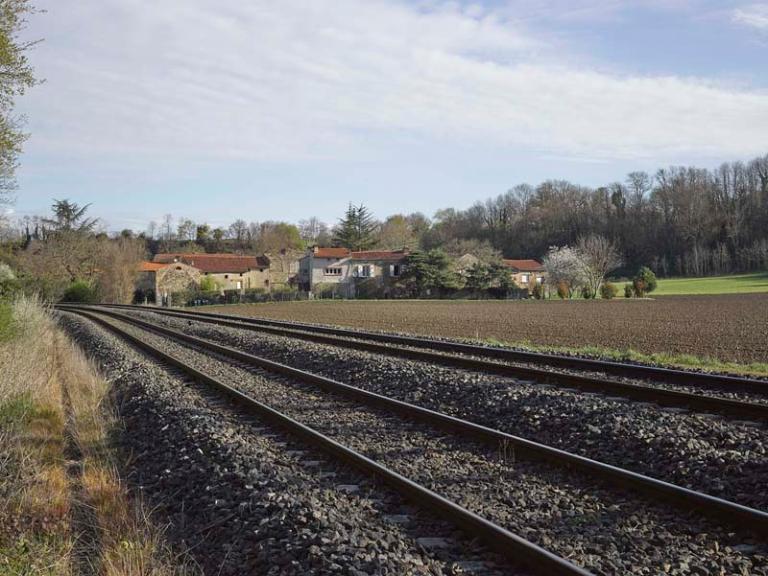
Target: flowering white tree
564, 268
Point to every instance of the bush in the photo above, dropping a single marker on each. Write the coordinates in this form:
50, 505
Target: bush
628, 291
538, 291
140, 295
8, 282
6, 321
563, 290
208, 284
638, 285
81, 292
587, 294
608, 291
648, 279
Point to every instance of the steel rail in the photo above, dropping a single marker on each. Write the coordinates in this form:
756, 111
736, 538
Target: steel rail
629, 370
716, 508
512, 546
638, 392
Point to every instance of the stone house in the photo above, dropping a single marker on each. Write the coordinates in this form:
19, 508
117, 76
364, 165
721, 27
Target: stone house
526, 273
230, 271
350, 274
156, 280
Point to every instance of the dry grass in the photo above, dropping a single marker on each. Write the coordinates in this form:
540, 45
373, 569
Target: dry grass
67, 510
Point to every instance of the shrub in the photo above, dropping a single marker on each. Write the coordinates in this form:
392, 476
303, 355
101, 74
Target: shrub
80, 291
587, 294
628, 292
638, 286
538, 291
563, 290
8, 282
6, 321
648, 278
140, 295
208, 284
608, 291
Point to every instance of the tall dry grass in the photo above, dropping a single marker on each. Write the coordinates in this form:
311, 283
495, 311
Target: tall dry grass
66, 510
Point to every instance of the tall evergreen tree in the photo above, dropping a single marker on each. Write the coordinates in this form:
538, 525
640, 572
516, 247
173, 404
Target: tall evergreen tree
70, 217
356, 231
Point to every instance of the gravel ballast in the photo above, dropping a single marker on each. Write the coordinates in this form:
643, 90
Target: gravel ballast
603, 529
704, 452
247, 499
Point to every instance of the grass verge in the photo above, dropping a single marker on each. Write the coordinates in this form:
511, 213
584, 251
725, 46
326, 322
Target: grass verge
734, 284
66, 510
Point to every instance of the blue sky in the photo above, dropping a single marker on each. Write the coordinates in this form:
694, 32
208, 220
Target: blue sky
222, 109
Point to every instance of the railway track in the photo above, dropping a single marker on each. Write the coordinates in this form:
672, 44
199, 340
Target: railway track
720, 511
486, 359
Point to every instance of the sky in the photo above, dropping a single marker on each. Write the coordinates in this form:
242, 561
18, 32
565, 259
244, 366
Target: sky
282, 110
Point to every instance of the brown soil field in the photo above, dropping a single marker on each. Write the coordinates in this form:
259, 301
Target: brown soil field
731, 328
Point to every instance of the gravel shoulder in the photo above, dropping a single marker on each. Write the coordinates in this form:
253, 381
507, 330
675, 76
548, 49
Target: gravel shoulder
704, 452
241, 497
604, 530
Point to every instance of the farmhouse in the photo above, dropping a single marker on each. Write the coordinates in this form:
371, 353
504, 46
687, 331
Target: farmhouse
230, 271
526, 273
157, 280
183, 272
347, 273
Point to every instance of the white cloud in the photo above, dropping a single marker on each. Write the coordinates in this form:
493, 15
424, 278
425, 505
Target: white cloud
195, 79
754, 16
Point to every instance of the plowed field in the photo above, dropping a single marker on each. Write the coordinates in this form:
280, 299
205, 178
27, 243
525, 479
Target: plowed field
727, 327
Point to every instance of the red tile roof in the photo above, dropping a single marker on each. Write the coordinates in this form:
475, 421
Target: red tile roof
394, 255
524, 265
330, 252
151, 266
215, 263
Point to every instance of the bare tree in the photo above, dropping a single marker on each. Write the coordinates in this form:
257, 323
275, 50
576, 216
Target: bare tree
186, 230
238, 231
118, 268
396, 233
312, 230
166, 232
597, 256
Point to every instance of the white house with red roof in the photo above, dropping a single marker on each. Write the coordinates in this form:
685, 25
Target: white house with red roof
344, 272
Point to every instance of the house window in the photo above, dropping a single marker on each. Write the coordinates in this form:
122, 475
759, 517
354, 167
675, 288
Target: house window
239, 284
332, 271
539, 279
241, 274
366, 271
524, 278
395, 269
226, 276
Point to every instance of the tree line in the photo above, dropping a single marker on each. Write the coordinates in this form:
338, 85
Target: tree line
678, 222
